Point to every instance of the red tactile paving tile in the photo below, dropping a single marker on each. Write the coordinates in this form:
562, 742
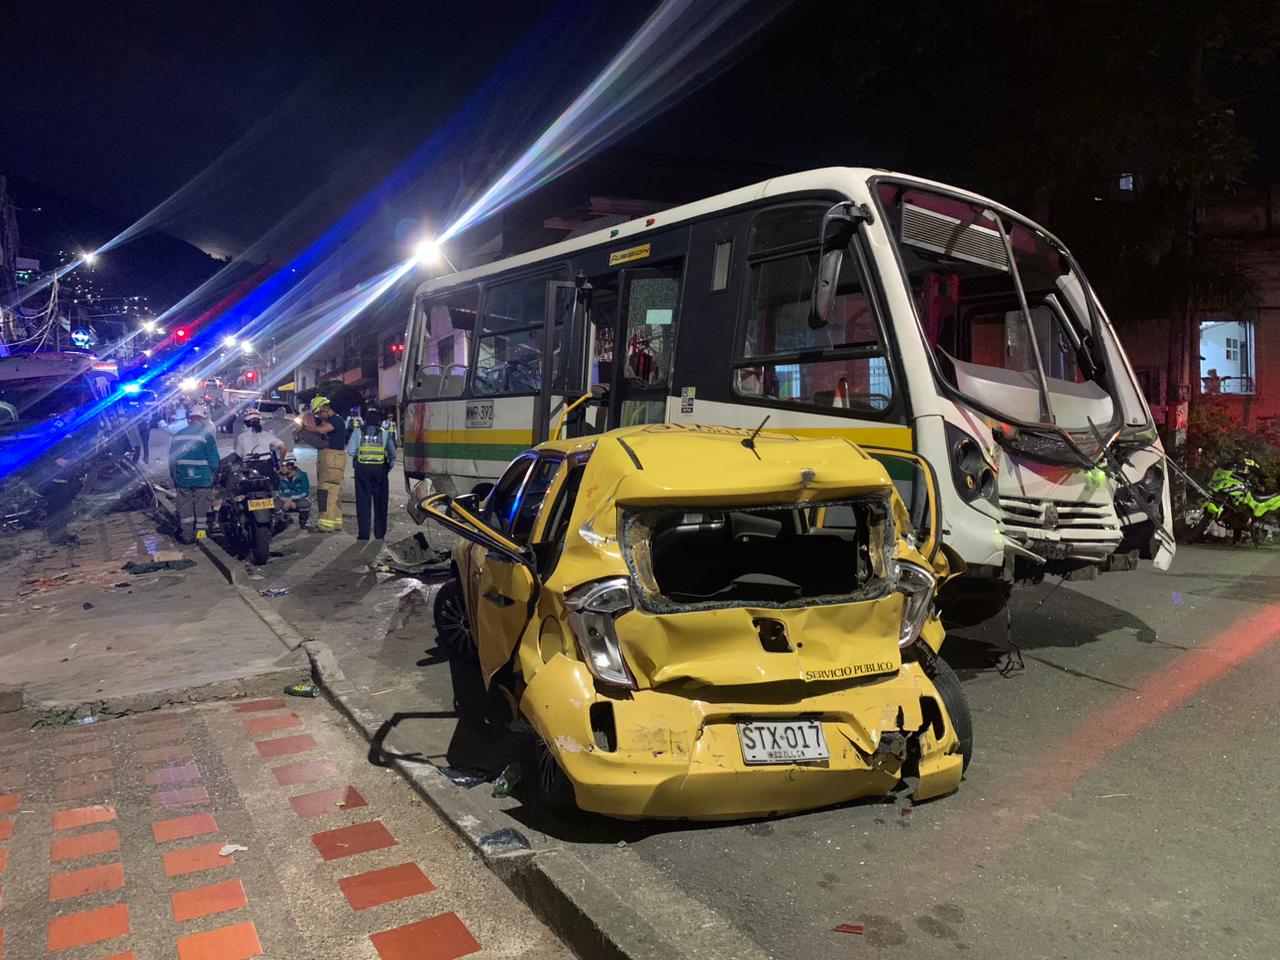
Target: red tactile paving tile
159, 735
348, 841
283, 745
327, 801
77, 883
305, 771
121, 956
4, 858
377, 887
203, 901
178, 751
254, 705
88, 926
178, 863
83, 816
437, 938
9, 802
182, 828
82, 767
177, 773
238, 942
76, 748
83, 845
88, 789
185, 797
6, 829
270, 724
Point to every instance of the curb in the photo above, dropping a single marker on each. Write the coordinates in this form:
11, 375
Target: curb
115, 707
560, 889
229, 568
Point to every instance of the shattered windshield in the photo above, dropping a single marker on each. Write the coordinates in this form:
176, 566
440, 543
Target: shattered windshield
27, 402
1033, 361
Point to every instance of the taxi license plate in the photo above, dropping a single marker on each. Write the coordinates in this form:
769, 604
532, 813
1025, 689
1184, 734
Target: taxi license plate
792, 741
267, 504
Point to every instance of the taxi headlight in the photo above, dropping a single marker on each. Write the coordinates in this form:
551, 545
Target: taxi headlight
916, 584
593, 608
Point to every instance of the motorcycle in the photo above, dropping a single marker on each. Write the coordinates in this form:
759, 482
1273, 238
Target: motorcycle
1234, 503
251, 511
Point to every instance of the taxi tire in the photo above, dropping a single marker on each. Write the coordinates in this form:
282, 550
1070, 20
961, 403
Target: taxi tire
551, 785
453, 633
948, 686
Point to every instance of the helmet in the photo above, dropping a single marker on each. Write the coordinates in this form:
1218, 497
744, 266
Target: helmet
289, 461
318, 404
372, 415
250, 415
198, 410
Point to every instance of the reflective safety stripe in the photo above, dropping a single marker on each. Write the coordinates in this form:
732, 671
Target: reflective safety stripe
371, 452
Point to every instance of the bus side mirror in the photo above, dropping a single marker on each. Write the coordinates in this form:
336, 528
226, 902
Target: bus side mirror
824, 288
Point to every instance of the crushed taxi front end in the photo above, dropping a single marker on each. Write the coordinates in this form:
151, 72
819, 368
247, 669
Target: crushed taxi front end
722, 643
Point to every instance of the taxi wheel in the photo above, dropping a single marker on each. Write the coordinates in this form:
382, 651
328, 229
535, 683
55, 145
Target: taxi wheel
948, 686
453, 633
554, 790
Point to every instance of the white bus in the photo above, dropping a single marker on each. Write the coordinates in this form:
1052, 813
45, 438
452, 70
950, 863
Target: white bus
892, 310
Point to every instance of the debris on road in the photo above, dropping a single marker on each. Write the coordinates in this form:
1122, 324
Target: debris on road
507, 780
1178, 599
848, 928
137, 567
412, 556
302, 690
463, 779
275, 592
506, 840
227, 849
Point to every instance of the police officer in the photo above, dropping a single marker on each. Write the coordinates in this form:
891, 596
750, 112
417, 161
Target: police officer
374, 451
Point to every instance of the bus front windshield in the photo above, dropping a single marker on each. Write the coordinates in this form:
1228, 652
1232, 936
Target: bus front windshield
1018, 342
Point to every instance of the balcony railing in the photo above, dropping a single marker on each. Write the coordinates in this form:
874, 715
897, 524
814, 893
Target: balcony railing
1213, 386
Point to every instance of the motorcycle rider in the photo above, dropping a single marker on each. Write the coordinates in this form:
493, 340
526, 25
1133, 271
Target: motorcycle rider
295, 489
322, 420
193, 465
374, 452
254, 441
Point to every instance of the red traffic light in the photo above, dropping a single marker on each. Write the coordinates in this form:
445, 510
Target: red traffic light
181, 333
251, 375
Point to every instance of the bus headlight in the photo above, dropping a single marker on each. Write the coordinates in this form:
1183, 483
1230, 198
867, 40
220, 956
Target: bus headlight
593, 608
916, 584
970, 470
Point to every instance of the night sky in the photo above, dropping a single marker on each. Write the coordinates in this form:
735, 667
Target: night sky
294, 109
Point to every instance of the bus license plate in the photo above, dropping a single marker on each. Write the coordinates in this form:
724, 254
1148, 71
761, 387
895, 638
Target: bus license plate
786, 742
267, 504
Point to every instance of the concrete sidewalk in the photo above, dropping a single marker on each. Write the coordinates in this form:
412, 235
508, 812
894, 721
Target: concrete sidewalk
76, 629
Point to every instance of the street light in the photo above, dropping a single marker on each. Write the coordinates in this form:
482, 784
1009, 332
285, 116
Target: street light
229, 341
248, 347
89, 258
429, 252
150, 326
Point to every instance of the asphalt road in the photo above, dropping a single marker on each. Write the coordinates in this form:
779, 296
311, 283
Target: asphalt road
1120, 802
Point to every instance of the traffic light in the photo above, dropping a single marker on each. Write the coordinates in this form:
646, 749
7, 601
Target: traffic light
250, 376
181, 334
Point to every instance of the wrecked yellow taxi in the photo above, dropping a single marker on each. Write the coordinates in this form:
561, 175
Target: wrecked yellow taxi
709, 623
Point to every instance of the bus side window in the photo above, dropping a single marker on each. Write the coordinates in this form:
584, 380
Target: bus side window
443, 331
509, 348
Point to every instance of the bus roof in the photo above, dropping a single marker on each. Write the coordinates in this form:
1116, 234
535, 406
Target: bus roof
26, 366
840, 179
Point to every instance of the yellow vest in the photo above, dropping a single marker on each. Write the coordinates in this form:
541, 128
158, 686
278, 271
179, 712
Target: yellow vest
372, 451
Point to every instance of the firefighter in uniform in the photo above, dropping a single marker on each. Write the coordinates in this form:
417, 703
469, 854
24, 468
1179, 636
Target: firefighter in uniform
331, 462
374, 451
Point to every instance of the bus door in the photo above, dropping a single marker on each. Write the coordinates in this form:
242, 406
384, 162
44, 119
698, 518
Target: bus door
644, 345
562, 380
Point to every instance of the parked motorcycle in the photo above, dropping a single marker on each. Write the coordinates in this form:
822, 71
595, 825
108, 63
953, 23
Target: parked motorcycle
251, 512
1235, 503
